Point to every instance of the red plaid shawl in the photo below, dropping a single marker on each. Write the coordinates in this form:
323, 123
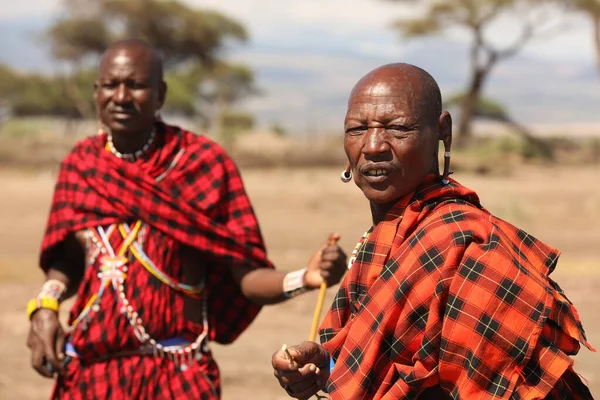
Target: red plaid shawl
443, 293
189, 189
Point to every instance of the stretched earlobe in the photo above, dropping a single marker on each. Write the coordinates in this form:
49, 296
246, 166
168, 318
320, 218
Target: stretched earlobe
346, 175
445, 135
445, 127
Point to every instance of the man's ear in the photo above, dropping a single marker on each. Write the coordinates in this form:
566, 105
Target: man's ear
162, 94
445, 130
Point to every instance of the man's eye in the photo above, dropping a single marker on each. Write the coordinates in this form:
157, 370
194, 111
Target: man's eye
356, 130
399, 128
138, 85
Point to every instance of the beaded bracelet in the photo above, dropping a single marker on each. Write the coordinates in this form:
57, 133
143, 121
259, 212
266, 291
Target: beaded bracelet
43, 302
50, 295
293, 283
54, 289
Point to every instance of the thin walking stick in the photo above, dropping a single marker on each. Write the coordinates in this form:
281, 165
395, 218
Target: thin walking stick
322, 292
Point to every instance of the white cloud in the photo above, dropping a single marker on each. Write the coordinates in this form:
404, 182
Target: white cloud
19, 9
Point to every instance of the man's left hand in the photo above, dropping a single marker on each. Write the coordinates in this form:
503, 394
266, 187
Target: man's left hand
328, 264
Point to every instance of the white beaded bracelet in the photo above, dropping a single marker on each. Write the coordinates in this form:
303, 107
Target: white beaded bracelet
293, 283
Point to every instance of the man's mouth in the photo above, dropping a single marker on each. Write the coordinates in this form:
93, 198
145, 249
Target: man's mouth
122, 112
376, 169
377, 172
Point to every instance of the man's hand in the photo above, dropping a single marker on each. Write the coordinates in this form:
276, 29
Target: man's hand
306, 374
47, 342
328, 264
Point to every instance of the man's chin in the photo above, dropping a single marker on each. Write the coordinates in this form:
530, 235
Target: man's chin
124, 127
379, 198
382, 197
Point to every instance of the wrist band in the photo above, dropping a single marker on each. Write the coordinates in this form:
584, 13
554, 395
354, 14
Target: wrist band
53, 289
293, 283
43, 302
49, 297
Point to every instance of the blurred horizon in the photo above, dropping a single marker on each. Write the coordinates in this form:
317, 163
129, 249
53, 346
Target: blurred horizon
307, 55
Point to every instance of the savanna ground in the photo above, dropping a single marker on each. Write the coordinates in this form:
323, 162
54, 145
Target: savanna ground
297, 209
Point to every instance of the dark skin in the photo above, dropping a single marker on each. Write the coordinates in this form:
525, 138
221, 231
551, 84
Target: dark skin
392, 133
128, 93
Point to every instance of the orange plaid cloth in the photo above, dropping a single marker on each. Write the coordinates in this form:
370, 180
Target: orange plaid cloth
445, 295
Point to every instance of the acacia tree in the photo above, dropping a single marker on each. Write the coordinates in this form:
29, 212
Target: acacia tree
191, 41
591, 9
533, 19
490, 110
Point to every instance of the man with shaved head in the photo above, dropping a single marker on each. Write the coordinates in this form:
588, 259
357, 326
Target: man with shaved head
443, 299
151, 227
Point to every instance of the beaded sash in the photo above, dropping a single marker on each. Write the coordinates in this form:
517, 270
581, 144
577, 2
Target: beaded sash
113, 272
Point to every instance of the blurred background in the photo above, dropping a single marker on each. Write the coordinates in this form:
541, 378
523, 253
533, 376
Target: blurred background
269, 81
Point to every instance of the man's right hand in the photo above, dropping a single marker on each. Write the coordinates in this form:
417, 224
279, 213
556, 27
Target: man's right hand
47, 342
306, 374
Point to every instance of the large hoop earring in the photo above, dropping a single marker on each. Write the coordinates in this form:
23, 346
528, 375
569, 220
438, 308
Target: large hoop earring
346, 176
447, 171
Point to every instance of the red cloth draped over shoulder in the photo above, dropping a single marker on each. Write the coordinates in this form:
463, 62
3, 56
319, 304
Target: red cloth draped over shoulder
189, 189
445, 295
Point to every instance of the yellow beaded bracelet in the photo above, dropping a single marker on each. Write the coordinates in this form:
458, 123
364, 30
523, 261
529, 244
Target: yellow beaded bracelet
41, 302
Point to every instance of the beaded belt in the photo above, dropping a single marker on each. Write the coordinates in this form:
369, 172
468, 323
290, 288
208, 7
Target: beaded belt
170, 345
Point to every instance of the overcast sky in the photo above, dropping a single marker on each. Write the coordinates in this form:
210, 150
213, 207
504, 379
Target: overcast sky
308, 53
349, 18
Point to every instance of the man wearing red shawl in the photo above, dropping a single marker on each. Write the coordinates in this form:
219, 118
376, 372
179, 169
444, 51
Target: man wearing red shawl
151, 227
443, 300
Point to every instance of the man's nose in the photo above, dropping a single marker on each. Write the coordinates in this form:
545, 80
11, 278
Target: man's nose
375, 141
122, 94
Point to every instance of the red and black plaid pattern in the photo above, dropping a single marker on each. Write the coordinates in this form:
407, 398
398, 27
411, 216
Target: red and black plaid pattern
443, 294
138, 377
200, 203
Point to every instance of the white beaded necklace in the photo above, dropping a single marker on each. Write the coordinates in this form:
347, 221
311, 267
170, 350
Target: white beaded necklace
131, 156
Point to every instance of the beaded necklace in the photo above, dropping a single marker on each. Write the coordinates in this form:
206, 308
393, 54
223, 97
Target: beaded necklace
358, 246
131, 156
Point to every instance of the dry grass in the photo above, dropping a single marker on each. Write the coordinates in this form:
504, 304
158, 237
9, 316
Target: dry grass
43, 142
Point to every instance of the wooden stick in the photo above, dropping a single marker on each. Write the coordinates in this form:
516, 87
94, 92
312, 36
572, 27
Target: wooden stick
287, 352
320, 301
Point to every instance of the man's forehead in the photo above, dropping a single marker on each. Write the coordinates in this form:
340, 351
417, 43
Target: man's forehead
125, 62
126, 57
391, 99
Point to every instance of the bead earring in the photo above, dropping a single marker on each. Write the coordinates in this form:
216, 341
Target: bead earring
346, 175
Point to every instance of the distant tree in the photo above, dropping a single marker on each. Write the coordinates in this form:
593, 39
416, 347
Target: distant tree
531, 18
9, 89
191, 41
224, 87
48, 95
232, 123
180, 32
591, 9
490, 110
278, 129
34, 94
73, 38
